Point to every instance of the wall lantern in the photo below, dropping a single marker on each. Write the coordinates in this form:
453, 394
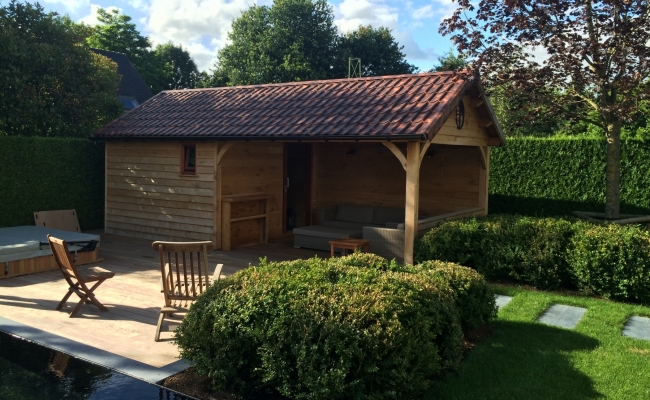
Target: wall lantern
460, 115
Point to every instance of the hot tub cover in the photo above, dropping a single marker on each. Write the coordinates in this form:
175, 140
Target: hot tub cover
21, 242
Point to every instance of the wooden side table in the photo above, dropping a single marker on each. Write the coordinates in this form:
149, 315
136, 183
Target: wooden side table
348, 244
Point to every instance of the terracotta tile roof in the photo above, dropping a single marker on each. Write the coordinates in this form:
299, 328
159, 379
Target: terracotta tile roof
395, 107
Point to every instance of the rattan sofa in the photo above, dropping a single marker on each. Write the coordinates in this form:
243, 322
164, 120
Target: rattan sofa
345, 221
389, 242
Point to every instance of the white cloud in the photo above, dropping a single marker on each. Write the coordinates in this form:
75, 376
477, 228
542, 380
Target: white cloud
411, 49
351, 13
91, 18
423, 12
72, 5
201, 26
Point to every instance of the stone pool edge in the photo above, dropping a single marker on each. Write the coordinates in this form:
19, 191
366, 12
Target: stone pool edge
126, 366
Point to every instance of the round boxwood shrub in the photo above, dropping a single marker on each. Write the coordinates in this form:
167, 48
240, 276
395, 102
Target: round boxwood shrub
474, 299
320, 329
613, 261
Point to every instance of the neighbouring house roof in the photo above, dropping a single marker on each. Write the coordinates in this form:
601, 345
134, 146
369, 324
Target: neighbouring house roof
399, 107
132, 86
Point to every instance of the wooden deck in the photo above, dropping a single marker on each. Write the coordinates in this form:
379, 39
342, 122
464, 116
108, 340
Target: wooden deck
133, 297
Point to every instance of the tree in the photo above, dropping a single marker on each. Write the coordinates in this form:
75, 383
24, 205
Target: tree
380, 54
176, 69
449, 61
52, 84
598, 57
116, 32
293, 40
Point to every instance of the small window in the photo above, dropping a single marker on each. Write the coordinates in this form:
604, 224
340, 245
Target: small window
188, 164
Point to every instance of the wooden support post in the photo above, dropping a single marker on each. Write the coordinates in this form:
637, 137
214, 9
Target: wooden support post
225, 225
412, 199
484, 177
219, 152
217, 198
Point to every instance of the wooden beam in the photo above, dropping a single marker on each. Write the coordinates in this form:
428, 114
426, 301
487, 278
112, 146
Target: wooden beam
223, 150
475, 103
412, 199
494, 141
486, 123
396, 151
217, 197
484, 179
483, 150
423, 151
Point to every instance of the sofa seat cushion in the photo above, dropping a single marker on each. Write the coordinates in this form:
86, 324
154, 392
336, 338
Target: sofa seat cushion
344, 224
328, 232
354, 213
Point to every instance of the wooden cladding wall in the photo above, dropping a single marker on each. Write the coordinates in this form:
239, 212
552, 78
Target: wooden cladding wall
148, 198
371, 174
473, 132
254, 167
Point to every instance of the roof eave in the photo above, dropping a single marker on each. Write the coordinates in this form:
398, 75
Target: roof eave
318, 138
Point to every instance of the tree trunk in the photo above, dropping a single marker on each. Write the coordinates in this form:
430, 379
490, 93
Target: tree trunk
613, 171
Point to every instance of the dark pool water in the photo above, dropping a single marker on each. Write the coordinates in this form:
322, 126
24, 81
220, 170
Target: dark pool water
29, 371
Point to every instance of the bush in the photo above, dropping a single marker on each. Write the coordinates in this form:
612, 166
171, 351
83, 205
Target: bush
526, 249
357, 327
38, 174
613, 261
474, 299
555, 176
549, 253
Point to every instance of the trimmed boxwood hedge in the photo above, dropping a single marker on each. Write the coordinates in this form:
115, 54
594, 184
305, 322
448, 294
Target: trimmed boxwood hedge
357, 327
554, 176
612, 261
39, 174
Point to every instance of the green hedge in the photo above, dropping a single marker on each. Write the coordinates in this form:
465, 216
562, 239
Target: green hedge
38, 174
612, 261
552, 177
357, 327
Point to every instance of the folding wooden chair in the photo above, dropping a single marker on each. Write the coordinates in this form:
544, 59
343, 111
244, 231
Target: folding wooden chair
184, 272
77, 277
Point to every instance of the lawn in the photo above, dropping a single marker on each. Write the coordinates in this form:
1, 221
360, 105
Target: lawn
523, 359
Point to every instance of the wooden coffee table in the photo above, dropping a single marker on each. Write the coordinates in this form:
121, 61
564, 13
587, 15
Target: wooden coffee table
348, 244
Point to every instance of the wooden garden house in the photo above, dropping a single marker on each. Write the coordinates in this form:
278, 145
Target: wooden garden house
238, 164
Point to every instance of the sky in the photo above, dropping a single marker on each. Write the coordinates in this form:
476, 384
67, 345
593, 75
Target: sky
202, 26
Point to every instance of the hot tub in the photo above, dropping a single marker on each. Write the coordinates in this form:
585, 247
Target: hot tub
24, 249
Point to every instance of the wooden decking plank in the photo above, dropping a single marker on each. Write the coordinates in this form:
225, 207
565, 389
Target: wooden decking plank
132, 296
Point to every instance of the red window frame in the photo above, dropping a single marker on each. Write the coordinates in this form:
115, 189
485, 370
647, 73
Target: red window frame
188, 159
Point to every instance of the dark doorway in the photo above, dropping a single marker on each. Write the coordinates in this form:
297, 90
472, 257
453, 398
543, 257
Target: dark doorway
297, 185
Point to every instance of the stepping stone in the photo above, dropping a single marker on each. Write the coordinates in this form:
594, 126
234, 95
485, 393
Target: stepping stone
637, 327
562, 316
502, 300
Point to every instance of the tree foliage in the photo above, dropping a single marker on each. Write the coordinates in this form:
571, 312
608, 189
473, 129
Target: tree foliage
290, 41
295, 40
449, 61
167, 66
176, 68
52, 84
380, 54
597, 57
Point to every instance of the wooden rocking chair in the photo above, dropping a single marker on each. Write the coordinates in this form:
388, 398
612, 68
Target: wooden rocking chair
184, 272
76, 277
